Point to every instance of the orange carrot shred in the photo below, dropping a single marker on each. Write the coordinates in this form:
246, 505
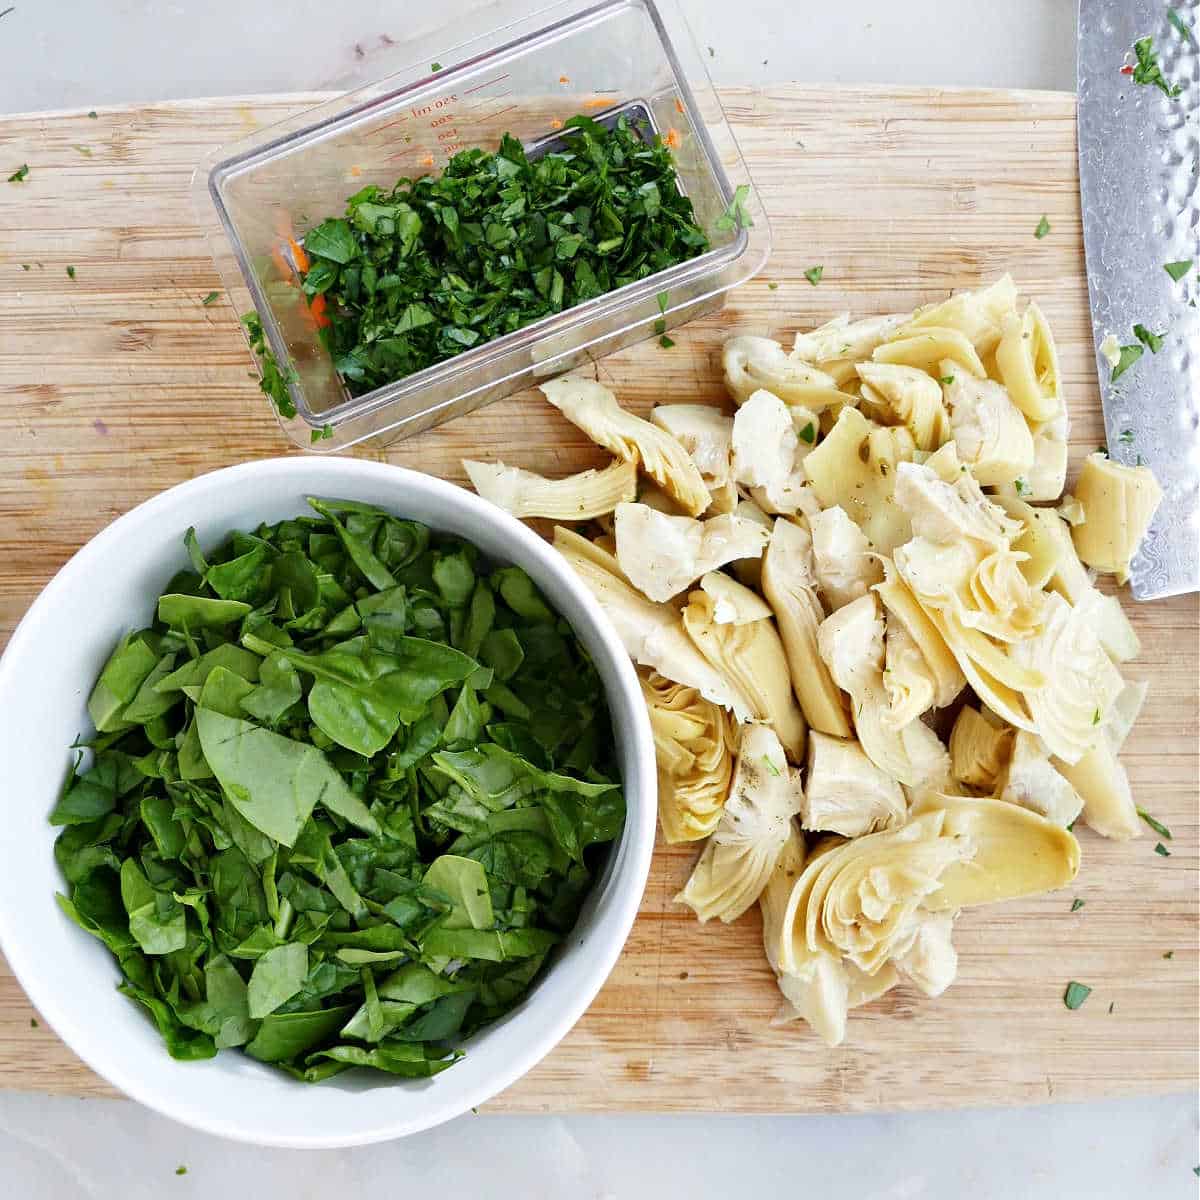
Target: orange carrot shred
673, 139
556, 124
356, 171
316, 307
679, 106
597, 102
299, 257
563, 79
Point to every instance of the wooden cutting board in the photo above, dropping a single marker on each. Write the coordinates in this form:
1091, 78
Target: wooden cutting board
120, 383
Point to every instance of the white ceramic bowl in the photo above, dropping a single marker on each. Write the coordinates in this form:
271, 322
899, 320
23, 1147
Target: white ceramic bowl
109, 587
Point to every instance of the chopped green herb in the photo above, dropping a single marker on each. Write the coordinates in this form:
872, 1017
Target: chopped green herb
319, 435
711, 52
1126, 437
809, 434
1077, 904
665, 342
663, 299
18, 176
92, 113
736, 214
435, 66
1169, 954
1129, 355
773, 286
33, 1022
1147, 69
1096, 717
770, 765
211, 298
1152, 341
181, 1170
1185, 31
660, 326
24, 266
947, 380
1162, 850
1043, 228
273, 382
1177, 270
1157, 826
1112, 1006
70, 272
1020, 486
813, 275
346, 753
417, 274
1076, 994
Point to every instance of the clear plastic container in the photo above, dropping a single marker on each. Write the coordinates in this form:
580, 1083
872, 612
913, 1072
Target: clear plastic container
634, 56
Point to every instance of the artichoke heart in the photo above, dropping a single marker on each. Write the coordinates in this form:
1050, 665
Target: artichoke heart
594, 409
977, 315
931, 961
1027, 361
661, 555
990, 434
928, 346
1119, 503
576, 498
914, 400
1108, 805
907, 679
705, 432
766, 457
843, 339
1031, 781
755, 825
787, 583
979, 749
846, 793
752, 656
845, 565
694, 742
753, 363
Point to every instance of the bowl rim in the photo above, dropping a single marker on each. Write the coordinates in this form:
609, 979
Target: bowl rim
640, 825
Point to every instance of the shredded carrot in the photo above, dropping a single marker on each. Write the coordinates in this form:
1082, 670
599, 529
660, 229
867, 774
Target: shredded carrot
556, 124
563, 79
427, 161
673, 139
356, 171
299, 257
598, 102
286, 271
316, 308
679, 106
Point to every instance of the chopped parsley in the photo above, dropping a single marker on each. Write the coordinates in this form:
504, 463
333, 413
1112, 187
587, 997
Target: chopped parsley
416, 274
33, 1022
319, 435
1077, 904
711, 52
1169, 954
813, 275
92, 113
736, 214
18, 176
665, 342
1162, 850
1147, 70
274, 383
1177, 270
81, 150
1185, 31
435, 66
1126, 437
1076, 994
1096, 717
181, 1169
211, 298
1157, 826
70, 272
771, 766
1152, 341
1129, 355
809, 434
1043, 228
773, 286
663, 299
947, 380
1021, 486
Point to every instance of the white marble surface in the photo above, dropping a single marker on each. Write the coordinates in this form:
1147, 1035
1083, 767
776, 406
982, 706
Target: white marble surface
60, 53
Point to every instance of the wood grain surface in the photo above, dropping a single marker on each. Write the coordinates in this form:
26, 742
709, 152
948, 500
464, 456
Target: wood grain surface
119, 383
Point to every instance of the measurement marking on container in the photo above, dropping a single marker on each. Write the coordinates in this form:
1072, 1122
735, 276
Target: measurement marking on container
480, 86
502, 111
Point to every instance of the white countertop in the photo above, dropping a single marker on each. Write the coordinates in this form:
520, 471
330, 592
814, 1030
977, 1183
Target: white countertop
60, 53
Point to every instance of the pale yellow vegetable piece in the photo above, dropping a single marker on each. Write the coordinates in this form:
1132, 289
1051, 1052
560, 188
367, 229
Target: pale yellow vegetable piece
1110, 349
979, 749
844, 340
1125, 712
927, 347
661, 555
1119, 503
752, 363
854, 466
1014, 852
652, 633
1070, 510
754, 828
977, 315
1105, 614
1047, 477
913, 398
931, 961
733, 603
1031, 781
594, 409
903, 608
1037, 540
845, 566
1108, 805
851, 643
1027, 360
907, 679
752, 656
705, 433
845, 792
575, 498
694, 742
765, 453
1081, 682
788, 584
990, 434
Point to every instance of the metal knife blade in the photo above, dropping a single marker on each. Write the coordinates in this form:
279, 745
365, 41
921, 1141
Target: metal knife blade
1139, 181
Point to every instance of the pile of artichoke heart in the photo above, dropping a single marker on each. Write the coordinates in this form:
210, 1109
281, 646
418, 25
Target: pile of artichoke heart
882, 682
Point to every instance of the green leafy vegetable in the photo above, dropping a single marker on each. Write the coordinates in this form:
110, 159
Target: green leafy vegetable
1077, 904
343, 799
417, 274
1160, 849
809, 434
211, 298
814, 274
1129, 355
1043, 228
1185, 31
1076, 994
274, 382
18, 176
1157, 826
1177, 270
70, 272
1152, 341
1148, 71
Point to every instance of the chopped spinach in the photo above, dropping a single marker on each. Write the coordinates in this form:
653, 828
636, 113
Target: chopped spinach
343, 798
418, 274
1148, 71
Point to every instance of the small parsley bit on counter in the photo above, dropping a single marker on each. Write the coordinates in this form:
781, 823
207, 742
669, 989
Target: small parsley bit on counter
1161, 849
1077, 904
211, 298
92, 114
1043, 228
1177, 270
70, 272
1076, 994
1169, 954
1157, 826
665, 342
18, 176
813, 275
736, 214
